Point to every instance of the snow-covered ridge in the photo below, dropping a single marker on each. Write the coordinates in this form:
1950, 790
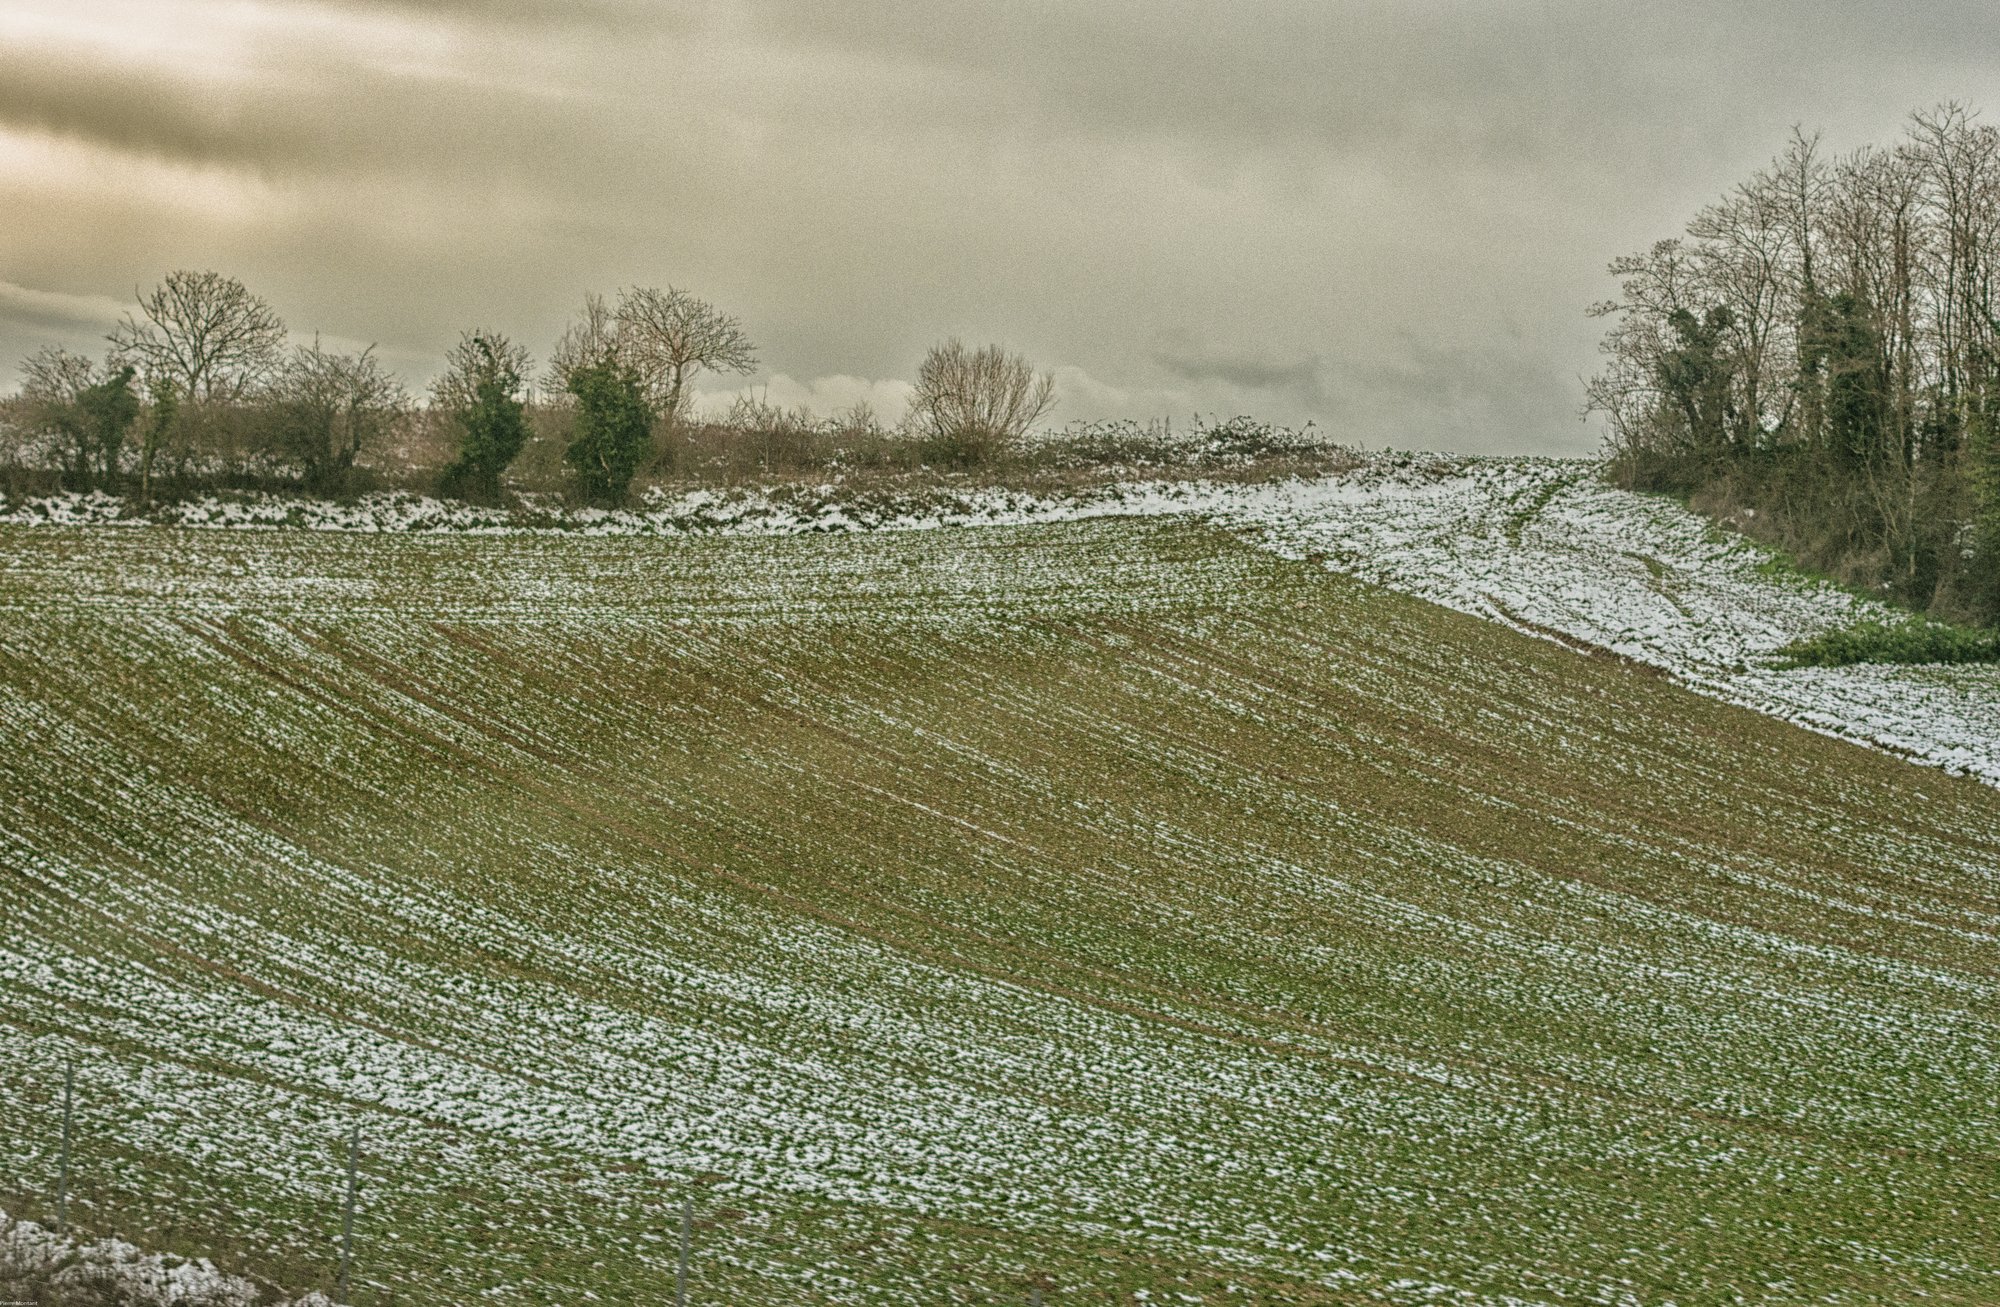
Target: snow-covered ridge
1544, 546
786, 510
37, 1261
1540, 544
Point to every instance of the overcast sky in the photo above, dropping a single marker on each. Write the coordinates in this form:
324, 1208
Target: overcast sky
1387, 217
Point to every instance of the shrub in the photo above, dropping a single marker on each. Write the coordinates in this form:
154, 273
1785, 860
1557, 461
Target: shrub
1899, 642
325, 408
971, 405
613, 429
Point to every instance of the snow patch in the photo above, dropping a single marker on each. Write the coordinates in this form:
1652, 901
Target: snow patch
37, 1261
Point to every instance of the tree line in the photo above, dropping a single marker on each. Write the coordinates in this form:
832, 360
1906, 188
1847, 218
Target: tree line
1817, 359
201, 364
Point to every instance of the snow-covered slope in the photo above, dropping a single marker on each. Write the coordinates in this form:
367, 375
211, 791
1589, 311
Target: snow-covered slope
1106, 907
1540, 544
1544, 546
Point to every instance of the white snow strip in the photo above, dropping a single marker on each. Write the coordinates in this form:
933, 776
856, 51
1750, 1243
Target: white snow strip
37, 1260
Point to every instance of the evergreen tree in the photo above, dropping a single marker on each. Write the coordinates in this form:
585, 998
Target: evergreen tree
482, 393
1856, 384
614, 429
108, 410
1983, 563
161, 417
1695, 377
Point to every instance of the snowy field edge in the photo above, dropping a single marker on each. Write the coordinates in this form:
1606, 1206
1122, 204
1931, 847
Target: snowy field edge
1540, 544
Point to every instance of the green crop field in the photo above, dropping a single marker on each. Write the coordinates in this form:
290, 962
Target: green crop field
1103, 907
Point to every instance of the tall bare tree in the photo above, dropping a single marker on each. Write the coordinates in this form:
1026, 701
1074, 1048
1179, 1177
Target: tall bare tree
204, 334
1752, 253
669, 335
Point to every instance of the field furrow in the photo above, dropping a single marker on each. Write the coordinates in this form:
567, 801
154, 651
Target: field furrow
1106, 905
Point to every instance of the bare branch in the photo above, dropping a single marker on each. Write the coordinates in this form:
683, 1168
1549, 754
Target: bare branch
663, 337
203, 334
667, 336
986, 394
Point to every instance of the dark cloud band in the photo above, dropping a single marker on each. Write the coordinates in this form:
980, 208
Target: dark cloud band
1384, 214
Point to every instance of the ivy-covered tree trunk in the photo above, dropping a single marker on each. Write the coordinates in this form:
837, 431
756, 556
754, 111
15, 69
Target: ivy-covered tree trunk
1695, 378
481, 392
1856, 387
614, 430
159, 425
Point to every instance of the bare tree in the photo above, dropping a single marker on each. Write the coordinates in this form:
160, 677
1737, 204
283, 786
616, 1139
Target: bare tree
479, 357
326, 408
662, 337
1748, 252
53, 374
1961, 161
591, 339
669, 335
1653, 286
973, 402
53, 383
204, 334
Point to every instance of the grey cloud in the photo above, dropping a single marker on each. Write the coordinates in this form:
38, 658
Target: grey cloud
1389, 213
1461, 79
1441, 397
550, 13
25, 304
1189, 360
1405, 391
322, 119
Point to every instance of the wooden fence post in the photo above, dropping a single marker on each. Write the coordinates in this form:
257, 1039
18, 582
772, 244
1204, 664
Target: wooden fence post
62, 1176
347, 1219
